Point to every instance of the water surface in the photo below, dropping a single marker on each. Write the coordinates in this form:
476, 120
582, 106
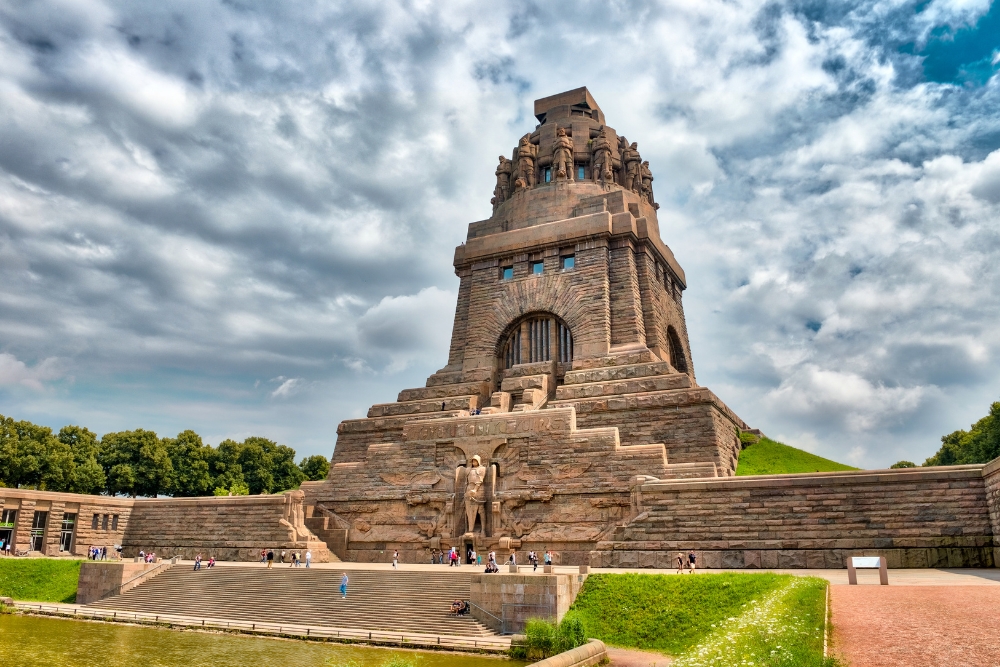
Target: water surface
33, 641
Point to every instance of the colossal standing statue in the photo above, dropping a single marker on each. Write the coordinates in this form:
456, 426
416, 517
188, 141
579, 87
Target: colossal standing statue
502, 189
632, 162
526, 154
474, 495
603, 164
647, 183
562, 155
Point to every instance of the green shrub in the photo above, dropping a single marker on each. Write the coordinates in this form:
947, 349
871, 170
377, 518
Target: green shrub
544, 638
570, 634
747, 438
903, 464
539, 638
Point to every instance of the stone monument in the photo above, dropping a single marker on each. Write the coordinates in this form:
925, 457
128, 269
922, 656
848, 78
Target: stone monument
569, 380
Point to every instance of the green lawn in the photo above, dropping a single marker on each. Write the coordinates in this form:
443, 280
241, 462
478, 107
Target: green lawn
709, 619
39, 579
768, 457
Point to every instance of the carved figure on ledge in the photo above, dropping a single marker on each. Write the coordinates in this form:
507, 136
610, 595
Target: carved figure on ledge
527, 152
632, 162
602, 158
502, 190
562, 155
647, 183
474, 493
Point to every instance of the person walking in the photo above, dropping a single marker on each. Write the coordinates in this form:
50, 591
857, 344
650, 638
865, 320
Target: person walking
343, 587
309, 557
691, 561
263, 555
395, 559
270, 558
680, 563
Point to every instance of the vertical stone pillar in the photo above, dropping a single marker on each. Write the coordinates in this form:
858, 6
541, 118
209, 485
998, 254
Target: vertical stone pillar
22, 533
53, 529
626, 304
459, 331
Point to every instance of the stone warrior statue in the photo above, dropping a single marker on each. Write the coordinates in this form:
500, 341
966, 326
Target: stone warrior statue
526, 154
474, 493
603, 164
562, 155
502, 189
632, 161
647, 183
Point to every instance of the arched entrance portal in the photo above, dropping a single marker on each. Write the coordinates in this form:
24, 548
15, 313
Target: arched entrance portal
536, 338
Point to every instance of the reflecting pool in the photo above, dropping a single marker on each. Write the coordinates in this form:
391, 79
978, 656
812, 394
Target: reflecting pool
30, 641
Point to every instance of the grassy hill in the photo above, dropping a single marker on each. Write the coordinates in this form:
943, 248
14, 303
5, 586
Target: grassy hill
768, 457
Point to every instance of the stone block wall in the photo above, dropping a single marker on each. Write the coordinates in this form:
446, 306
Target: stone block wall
991, 478
228, 528
102, 579
935, 517
514, 598
693, 424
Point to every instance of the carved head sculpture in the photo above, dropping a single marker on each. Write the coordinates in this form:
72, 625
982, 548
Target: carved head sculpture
525, 141
634, 146
476, 461
561, 132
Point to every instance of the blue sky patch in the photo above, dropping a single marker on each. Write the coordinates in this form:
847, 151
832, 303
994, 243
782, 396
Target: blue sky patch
964, 56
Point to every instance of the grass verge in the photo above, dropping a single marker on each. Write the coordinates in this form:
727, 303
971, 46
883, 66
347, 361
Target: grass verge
39, 579
710, 619
769, 457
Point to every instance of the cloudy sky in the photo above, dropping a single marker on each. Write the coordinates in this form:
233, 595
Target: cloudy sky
239, 217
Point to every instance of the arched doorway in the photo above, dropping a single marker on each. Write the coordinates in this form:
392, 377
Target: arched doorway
536, 338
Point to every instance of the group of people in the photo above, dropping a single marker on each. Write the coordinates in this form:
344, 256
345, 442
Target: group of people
460, 608
147, 557
692, 560
5, 547
197, 562
97, 553
267, 556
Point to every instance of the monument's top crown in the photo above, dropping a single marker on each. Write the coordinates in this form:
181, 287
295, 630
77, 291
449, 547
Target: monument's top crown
562, 105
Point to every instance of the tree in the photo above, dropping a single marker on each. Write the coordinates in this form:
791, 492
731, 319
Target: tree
191, 462
136, 463
315, 467
980, 444
88, 475
903, 464
224, 465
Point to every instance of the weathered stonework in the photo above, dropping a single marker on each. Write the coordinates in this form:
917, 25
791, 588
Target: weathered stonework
916, 517
569, 372
228, 528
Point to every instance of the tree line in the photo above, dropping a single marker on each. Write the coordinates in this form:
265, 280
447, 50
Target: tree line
140, 463
980, 444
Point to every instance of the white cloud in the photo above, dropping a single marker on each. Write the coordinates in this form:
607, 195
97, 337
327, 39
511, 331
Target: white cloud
15, 373
198, 191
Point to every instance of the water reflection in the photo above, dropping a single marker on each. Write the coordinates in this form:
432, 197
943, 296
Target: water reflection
30, 641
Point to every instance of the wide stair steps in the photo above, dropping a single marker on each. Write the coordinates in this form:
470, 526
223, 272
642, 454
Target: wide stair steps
397, 601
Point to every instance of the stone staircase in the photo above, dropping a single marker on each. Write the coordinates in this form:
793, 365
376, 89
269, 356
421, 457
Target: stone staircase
398, 601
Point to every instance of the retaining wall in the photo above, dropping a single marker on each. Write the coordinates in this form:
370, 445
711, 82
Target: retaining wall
917, 517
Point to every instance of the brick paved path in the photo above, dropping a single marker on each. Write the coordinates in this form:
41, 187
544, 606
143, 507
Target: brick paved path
882, 626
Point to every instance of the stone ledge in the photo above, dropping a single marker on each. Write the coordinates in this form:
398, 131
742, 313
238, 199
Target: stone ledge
903, 475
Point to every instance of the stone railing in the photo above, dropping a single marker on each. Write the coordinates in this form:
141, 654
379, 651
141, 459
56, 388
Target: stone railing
592, 653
